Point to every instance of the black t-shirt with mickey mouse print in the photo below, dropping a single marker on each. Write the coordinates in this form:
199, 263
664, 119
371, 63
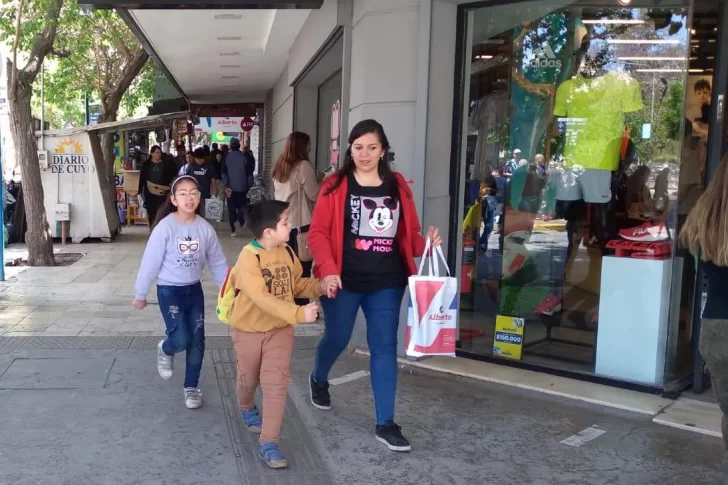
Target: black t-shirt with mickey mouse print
372, 261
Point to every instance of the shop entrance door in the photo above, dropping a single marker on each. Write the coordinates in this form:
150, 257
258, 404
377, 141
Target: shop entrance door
716, 149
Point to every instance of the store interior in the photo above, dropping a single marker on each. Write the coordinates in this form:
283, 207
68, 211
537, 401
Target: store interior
584, 149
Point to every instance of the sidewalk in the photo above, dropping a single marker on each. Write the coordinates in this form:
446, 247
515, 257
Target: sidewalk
93, 411
92, 297
82, 404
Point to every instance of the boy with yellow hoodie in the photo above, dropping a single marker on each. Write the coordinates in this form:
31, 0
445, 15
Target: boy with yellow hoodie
267, 278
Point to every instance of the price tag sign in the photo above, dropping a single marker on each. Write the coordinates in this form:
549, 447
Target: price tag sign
508, 340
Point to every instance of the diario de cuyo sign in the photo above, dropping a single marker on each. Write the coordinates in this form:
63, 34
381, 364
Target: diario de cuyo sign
68, 157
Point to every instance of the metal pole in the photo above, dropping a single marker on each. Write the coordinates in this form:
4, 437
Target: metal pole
42, 106
2, 220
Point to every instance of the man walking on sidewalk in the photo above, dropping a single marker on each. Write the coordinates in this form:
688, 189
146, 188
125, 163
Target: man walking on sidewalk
235, 179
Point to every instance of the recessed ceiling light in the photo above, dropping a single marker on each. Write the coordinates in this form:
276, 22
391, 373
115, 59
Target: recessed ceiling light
229, 37
236, 53
693, 31
660, 70
614, 22
642, 41
648, 58
228, 16
624, 2
229, 66
483, 57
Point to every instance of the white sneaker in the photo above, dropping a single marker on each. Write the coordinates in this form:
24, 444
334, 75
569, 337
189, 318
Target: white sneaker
165, 363
232, 234
193, 398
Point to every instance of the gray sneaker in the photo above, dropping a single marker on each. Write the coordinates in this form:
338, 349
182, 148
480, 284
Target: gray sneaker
165, 363
193, 398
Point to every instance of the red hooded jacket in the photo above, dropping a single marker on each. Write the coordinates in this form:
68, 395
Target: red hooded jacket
326, 236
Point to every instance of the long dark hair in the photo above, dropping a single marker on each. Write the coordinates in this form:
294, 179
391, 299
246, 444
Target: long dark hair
389, 179
297, 146
154, 149
168, 207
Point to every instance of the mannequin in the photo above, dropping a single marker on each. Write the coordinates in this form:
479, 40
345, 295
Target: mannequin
590, 113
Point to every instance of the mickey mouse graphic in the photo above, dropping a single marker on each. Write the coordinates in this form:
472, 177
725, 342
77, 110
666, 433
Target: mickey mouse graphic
381, 217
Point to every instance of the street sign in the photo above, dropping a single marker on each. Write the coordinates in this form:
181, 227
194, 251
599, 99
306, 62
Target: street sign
247, 124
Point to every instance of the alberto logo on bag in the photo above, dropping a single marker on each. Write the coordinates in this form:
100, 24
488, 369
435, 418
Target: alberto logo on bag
433, 310
436, 332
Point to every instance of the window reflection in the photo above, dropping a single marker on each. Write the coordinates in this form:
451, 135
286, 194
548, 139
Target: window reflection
580, 157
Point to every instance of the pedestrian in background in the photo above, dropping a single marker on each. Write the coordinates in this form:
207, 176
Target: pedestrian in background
204, 172
295, 181
155, 178
236, 182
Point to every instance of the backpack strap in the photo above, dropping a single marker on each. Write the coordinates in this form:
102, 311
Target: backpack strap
290, 253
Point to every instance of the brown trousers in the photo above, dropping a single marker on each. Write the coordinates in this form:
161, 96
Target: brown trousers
265, 359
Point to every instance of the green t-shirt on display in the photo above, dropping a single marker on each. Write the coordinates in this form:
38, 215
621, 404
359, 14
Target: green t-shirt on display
594, 111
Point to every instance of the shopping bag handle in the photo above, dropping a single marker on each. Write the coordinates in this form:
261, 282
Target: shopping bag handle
434, 257
425, 257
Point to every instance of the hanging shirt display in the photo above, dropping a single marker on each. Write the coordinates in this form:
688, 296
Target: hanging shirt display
594, 110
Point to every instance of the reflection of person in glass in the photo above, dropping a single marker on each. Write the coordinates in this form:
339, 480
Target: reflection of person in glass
706, 233
590, 113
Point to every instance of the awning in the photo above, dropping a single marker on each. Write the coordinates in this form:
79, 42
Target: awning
148, 123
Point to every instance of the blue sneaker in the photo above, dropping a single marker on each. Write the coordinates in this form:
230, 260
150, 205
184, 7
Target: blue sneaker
272, 456
252, 420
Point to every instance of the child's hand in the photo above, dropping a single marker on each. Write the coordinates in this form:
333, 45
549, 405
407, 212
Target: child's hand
310, 312
139, 304
330, 285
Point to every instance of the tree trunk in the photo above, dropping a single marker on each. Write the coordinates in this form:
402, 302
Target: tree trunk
107, 148
38, 237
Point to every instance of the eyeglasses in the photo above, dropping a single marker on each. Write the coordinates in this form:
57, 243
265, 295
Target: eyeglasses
184, 194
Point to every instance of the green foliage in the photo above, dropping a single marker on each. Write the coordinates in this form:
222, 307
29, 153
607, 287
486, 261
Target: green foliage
93, 50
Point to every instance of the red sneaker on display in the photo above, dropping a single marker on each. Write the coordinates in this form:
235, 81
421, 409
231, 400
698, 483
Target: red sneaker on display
647, 232
550, 305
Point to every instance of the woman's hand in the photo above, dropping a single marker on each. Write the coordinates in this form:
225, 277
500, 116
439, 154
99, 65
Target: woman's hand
433, 234
330, 285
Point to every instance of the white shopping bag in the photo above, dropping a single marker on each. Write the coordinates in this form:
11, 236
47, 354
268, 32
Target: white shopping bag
433, 312
213, 209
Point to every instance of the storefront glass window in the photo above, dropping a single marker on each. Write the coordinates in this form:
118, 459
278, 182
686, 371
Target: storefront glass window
575, 150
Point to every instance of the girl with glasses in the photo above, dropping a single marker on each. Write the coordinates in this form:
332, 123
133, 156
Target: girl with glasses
181, 244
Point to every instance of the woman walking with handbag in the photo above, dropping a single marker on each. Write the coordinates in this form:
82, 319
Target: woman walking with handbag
365, 232
155, 179
295, 181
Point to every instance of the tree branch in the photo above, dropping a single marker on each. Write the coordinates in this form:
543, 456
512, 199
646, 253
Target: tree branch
14, 70
63, 54
44, 43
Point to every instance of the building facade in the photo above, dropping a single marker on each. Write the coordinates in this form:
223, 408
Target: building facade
557, 144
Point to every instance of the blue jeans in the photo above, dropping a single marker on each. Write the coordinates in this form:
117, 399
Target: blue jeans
183, 309
381, 310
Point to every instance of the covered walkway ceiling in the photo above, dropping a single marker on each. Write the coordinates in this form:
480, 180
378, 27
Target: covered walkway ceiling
212, 53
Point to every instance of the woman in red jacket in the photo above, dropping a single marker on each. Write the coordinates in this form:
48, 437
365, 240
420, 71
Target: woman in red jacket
365, 233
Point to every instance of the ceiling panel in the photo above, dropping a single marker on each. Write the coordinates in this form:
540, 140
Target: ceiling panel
222, 56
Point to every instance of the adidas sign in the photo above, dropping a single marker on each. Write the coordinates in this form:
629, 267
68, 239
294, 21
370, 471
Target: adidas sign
544, 58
